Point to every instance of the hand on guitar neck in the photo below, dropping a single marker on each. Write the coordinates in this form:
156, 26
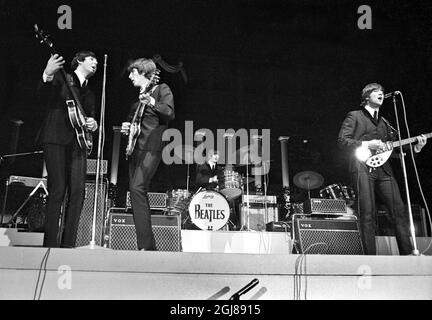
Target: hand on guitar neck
54, 64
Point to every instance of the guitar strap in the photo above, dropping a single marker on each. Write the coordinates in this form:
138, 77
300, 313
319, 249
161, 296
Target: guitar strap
143, 107
70, 83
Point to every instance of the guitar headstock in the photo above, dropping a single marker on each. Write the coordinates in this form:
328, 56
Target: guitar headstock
154, 79
44, 38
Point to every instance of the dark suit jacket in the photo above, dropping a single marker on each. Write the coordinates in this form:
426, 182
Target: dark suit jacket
155, 119
56, 127
359, 126
204, 173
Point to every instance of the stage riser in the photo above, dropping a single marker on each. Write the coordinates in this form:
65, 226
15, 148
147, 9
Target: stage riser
114, 274
20, 285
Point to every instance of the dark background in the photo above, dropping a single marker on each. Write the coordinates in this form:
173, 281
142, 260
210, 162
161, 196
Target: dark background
294, 67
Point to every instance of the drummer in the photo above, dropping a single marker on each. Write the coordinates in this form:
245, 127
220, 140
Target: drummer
207, 173
207, 177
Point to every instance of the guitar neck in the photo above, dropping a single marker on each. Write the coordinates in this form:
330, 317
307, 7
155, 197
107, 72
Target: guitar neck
409, 140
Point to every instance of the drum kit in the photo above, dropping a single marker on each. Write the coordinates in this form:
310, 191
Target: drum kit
311, 180
209, 209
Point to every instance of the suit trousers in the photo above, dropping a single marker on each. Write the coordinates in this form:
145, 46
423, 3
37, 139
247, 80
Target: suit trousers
378, 181
66, 166
142, 168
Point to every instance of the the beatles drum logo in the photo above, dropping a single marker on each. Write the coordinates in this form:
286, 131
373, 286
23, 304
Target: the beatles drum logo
209, 210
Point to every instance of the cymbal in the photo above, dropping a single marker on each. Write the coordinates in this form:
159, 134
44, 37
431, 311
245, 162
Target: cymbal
308, 180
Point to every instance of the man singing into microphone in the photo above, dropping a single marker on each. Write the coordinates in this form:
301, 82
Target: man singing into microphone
367, 129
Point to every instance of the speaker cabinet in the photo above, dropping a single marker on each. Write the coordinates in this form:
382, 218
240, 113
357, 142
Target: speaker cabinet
257, 218
85, 227
321, 235
122, 235
385, 226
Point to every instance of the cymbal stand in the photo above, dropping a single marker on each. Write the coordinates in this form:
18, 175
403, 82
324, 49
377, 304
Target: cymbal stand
247, 195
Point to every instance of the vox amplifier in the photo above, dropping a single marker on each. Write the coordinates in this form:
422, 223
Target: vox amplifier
316, 235
326, 206
122, 234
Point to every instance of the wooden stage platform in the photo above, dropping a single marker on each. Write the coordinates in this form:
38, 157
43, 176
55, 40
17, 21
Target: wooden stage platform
212, 266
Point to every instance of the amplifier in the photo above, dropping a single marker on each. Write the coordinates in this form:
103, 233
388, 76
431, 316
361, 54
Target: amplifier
385, 225
326, 206
85, 226
316, 235
122, 235
257, 218
92, 166
257, 198
157, 200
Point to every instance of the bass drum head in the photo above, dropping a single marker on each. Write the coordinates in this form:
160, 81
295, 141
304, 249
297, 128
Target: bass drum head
209, 210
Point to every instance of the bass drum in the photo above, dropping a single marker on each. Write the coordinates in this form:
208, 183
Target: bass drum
209, 210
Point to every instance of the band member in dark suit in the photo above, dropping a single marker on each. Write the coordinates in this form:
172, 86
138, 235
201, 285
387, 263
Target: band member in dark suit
209, 176
368, 129
66, 162
147, 153
207, 173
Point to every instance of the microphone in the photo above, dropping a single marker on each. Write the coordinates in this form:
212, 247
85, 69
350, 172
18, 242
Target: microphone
245, 289
391, 94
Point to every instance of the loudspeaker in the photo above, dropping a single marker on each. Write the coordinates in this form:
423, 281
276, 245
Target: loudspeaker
92, 166
385, 226
85, 226
122, 235
319, 235
256, 218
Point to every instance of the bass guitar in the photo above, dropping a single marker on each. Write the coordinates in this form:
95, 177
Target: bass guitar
376, 158
135, 127
77, 116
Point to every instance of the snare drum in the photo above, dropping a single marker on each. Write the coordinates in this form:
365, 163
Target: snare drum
231, 185
209, 210
333, 191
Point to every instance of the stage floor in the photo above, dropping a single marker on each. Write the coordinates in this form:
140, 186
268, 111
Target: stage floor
79, 274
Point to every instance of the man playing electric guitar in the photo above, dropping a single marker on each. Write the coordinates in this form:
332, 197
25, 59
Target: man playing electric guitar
365, 129
156, 105
66, 160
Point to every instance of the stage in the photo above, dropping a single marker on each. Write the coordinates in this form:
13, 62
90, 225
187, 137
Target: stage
212, 266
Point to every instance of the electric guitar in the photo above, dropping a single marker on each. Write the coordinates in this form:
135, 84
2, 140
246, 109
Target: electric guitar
376, 158
77, 116
135, 127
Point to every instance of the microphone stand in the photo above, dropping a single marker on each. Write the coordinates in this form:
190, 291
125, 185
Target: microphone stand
415, 251
92, 244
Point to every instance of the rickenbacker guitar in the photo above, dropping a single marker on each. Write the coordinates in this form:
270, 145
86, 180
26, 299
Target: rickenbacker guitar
135, 127
376, 158
77, 116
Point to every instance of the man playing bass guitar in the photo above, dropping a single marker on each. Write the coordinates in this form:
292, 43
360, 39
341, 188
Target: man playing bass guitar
66, 160
151, 114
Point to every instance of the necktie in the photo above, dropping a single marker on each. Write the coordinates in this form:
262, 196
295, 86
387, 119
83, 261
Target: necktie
376, 115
